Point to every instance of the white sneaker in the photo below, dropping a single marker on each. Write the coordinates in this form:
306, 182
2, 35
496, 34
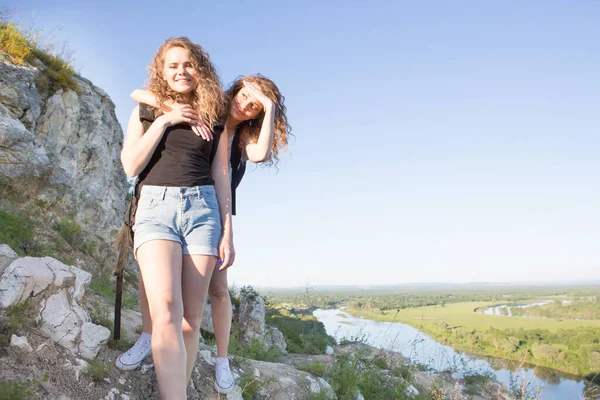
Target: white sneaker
133, 357
223, 379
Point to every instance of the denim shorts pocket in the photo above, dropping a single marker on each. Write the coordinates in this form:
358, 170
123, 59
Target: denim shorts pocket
211, 202
148, 202
209, 197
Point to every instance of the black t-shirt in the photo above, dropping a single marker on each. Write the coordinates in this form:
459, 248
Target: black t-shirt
181, 157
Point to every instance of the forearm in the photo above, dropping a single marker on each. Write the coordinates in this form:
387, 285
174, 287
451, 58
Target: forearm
144, 96
136, 156
261, 150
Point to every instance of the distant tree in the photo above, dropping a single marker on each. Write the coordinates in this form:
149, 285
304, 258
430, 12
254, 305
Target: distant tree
594, 362
546, 352
510, 344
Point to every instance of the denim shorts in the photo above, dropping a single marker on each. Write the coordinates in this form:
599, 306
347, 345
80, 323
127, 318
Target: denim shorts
187, 215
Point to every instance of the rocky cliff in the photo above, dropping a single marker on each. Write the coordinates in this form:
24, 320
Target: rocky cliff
65, 146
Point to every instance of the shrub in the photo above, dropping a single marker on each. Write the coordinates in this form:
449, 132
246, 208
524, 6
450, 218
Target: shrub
403, 371
21, 47
354, 373
70, 231
96, 370
255, 350
314, 368
250, 386
16, 390
380, 362
58, 73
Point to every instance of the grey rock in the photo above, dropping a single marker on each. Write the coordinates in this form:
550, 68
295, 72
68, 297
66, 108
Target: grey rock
57, 288
93, 337
20, 342
71, 141
207, 323
274, 338
7, 256
252, 317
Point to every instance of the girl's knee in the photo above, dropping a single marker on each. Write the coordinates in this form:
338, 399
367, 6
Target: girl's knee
166, 312
218, 290
193, 319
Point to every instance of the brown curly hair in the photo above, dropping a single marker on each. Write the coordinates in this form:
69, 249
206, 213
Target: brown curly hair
250, 130
207, 99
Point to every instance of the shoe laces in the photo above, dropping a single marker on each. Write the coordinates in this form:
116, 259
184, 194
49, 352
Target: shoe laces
224, 372
139, 348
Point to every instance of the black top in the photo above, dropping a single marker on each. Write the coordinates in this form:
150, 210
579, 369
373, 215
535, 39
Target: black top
181, 157
238, 168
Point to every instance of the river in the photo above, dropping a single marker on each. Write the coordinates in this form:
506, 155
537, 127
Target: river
422, 349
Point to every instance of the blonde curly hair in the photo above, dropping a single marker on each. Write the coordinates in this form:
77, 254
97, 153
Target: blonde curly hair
207, 99
249, 131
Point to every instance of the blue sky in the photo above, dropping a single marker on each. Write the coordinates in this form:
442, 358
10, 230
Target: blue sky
436, 141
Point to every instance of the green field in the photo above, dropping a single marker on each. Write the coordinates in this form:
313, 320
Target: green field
568, 345
463, 314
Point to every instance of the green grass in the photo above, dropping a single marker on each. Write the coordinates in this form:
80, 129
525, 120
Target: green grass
380, 362
100, 315
4, 339
96, 370
16, 390
70, 231
404, 371
103, 286
130, 301
474, 380
357, 372
322, 395
20, 315
16, 230
250, 386
315, 368
463, 314
254, 350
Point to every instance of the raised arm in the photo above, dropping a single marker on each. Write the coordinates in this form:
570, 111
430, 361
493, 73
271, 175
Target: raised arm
261, 150
139, 146
147, 97
220, 174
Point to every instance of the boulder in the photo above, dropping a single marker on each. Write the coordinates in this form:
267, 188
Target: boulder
274, 338
56, 288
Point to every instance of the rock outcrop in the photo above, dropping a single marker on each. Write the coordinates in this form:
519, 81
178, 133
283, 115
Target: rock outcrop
251, 317
68, 143
54, 290
251, 322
